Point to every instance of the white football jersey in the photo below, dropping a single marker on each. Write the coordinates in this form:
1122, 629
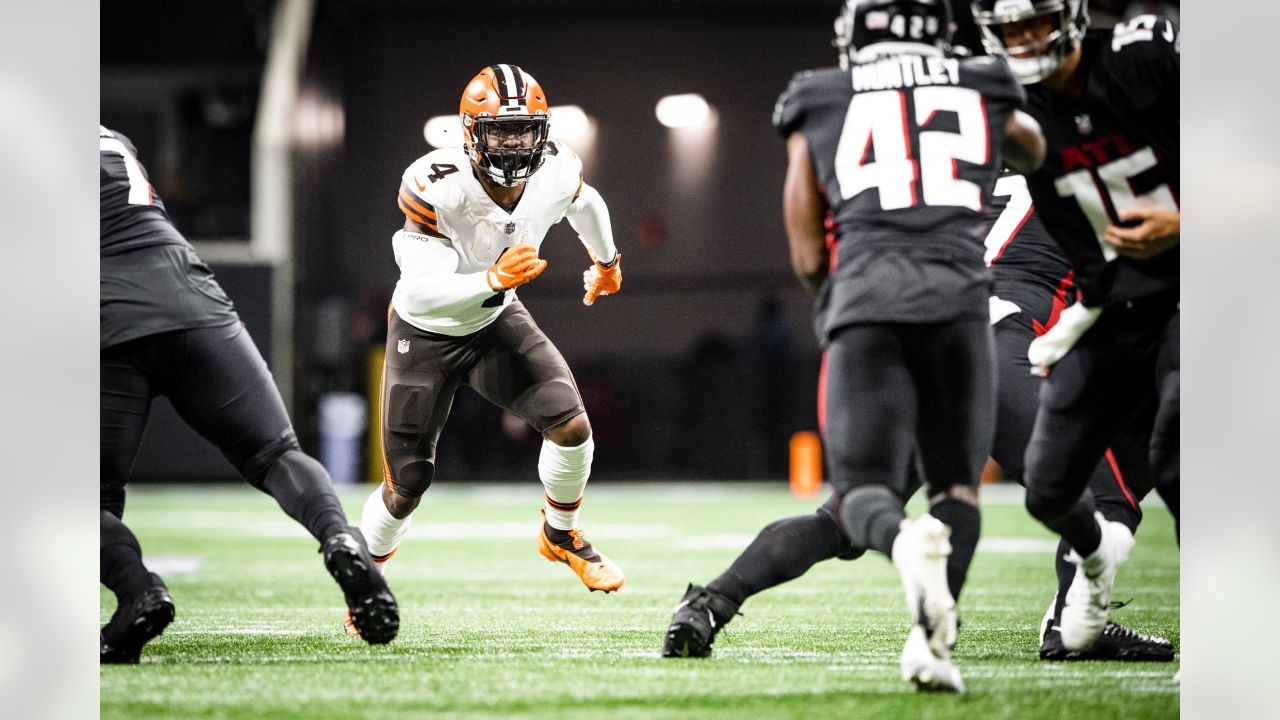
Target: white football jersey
440, 193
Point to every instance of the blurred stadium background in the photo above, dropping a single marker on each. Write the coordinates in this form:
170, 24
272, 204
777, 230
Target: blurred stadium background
277, 131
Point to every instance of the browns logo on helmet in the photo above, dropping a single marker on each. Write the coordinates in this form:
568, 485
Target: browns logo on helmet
504, 123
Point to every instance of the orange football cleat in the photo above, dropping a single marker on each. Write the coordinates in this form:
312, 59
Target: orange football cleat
595, 570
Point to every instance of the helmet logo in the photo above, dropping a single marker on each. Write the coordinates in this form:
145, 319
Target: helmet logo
1013, 8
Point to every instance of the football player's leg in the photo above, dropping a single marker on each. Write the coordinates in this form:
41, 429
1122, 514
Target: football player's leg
1117, 486
143, 605
145, 608
1165, 440
1092, 394
221, 386
956, 374
419, 381
783, 551
1084, 405
870, 419
521, 371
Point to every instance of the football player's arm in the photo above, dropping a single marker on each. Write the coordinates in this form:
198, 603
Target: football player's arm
1024, 145
1149, 232
431, 285
589, 216
803, 209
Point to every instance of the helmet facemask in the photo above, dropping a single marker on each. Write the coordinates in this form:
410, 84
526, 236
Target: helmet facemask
508, 149
1036, 60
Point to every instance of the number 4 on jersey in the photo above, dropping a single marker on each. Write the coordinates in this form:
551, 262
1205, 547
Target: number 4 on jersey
877, 121
439, 170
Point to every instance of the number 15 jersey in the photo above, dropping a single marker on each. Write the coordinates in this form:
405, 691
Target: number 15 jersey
907, 149
1113, 147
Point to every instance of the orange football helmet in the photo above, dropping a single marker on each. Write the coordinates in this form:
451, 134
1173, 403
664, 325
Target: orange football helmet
504, 123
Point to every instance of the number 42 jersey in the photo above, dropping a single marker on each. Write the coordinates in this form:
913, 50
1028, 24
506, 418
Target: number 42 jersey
906, 148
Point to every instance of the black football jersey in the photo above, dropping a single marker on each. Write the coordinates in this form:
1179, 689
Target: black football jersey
1113, 147
1027, 266
132, 215
906, 149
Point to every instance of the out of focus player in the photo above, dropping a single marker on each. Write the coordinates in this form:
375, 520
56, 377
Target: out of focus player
168, 329
903, 145
1032, 284
475, 217
1108, 103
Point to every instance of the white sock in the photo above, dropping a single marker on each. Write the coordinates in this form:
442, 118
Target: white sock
564, 472
382, 531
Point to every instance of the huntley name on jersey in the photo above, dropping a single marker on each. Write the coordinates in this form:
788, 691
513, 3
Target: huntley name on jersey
906, 71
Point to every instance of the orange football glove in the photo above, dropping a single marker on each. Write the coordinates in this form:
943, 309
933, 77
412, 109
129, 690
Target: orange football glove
516, 266
600, 280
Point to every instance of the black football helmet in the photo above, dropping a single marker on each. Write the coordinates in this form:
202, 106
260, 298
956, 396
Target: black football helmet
891, 26
1034, 61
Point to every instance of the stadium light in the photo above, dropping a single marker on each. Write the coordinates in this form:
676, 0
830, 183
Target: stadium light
569, 123
679, 111
443, 131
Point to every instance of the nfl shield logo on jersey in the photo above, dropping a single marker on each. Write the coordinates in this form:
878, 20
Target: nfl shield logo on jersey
403, 346
1084, 124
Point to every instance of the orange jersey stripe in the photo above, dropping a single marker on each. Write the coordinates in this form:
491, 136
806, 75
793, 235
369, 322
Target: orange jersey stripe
422, 206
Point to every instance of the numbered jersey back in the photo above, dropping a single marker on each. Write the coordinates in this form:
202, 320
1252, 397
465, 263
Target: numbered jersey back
131, 213
906, 147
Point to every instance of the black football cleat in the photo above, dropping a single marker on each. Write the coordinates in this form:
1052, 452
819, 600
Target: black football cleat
1116, 642
373, 608
134, 624
697, 619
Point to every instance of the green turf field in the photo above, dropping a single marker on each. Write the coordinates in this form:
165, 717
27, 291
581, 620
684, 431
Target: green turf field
490, 629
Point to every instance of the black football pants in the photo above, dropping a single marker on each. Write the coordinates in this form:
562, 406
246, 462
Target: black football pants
1127, 360
1119, 480
893, 389
219, 384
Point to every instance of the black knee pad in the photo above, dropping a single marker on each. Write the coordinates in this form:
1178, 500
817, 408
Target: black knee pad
859, 508
1047, 507
256, 467
412, 479
828, 513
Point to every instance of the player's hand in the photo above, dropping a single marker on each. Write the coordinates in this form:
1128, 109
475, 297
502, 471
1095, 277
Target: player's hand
599, 280
1154, 230
516, 266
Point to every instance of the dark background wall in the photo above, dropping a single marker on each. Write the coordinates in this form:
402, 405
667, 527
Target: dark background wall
702, 366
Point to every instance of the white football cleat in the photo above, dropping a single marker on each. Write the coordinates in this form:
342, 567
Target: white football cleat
1085, 612
920, 553
924, 669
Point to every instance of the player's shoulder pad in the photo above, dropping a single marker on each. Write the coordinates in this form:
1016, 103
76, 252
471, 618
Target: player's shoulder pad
995, 76
801, 94
1150, 38
431, 185
1144, 58
563, 167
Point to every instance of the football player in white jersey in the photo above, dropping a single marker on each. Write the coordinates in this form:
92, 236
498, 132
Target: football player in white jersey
475, 217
